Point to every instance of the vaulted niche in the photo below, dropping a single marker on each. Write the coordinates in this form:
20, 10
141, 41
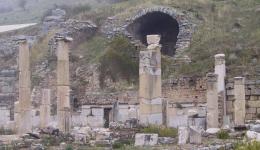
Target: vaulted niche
156, 23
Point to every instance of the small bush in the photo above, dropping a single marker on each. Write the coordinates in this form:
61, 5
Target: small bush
248, 146
121, 144
50, 141
119, 62
222, 134
69, 147
161, 131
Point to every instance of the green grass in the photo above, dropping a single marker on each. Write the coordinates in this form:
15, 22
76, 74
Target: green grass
93, 48
248, 146
121, 144
230, 27
223, 135
161, 131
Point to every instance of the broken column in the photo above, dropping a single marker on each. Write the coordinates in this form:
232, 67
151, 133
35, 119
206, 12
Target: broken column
240, 101
150, 96
45, 108
63, 84
220, 70
24, 122
212, 101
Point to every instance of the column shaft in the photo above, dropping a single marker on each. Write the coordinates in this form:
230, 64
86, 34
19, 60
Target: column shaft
212, 101
240, 102
150, 96
63, 85
24, 122
45, 108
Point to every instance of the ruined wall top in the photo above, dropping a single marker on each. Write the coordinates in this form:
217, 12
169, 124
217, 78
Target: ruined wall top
212, 77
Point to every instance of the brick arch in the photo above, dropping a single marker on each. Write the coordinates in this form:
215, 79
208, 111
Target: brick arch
185, 27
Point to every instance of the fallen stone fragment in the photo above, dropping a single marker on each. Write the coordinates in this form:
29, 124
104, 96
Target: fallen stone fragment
146, 139
212, 130
167, 140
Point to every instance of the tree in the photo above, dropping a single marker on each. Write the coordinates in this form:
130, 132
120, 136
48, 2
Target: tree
119, 62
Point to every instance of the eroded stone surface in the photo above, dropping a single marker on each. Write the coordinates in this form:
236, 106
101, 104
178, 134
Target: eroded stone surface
146, 139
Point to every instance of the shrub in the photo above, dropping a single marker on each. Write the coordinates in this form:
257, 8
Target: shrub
69, 147
248, 146
119, 62
50, 141
161, 131
222, 134
120, 144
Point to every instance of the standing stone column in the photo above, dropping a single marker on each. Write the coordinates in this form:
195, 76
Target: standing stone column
212, 101
240, 101
24, 122
45, 108
150, 96
220, 70
63, 84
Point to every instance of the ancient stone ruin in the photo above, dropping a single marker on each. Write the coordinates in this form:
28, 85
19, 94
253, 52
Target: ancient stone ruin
198, 109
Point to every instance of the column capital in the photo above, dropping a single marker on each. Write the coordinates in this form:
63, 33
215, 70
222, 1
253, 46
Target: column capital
153, 39
153, 42
219, 59
239, 80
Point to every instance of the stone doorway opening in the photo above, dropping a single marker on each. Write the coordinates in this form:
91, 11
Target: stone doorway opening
156, 23
107, 117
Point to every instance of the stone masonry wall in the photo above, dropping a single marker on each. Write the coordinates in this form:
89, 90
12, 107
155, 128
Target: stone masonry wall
252, 88
185, 89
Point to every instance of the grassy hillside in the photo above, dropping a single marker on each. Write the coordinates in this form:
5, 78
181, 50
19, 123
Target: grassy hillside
15, 12
222, 26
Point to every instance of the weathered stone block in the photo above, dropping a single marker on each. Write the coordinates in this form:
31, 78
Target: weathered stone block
178, 121
253, 98
251, 110
253, 104
150, 86
146, 139
153, 39
195, 135
249, 116
230, 107
183, 134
